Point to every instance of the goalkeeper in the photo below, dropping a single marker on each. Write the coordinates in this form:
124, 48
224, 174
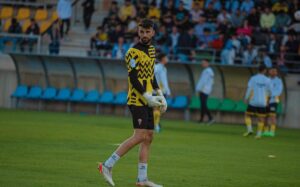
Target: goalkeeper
140, 60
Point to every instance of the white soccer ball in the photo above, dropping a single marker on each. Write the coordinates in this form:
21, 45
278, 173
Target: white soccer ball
297, 15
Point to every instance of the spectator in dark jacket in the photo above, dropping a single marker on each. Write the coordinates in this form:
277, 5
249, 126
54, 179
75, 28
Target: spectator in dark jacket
88, 10
186, 44
33, 29
14, 28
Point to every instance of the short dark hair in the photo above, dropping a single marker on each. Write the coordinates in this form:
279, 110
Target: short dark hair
147, 23
161, 56
262, 68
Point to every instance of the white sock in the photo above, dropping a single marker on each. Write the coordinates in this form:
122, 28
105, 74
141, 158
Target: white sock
142, 173
110, 162
249, 128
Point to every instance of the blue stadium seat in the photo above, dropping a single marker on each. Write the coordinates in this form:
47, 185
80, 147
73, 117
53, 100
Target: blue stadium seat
92, 96
107, 98
180, 102
77, 95
121, 98
169, 101
20, 92
49, 93
63, 95
35, 92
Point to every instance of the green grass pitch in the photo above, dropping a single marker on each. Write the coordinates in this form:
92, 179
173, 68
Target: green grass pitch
62, 150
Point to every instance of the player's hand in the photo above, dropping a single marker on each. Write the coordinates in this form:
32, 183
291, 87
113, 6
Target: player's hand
153, 101
164, 105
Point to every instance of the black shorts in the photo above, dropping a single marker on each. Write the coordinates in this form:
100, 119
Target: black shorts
259, 111
272, 109
142, 117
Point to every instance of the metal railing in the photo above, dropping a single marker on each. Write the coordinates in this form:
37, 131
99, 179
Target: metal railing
24, 36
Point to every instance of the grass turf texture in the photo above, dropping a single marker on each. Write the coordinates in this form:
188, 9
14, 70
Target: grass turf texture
62, 150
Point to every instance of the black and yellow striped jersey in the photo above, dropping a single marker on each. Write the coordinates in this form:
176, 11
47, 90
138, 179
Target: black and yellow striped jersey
140, 60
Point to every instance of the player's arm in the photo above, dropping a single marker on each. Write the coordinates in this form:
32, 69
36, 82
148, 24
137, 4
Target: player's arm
249, 90
155, 86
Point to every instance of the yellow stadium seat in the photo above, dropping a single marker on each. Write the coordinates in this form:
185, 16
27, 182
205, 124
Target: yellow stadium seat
6, 12
41, 14
54, 16
7, 25
25, 25
45, 25
23, 13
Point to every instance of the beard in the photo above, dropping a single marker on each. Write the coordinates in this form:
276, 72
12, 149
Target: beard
145, 40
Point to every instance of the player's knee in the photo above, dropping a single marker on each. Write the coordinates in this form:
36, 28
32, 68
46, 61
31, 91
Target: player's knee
149, 136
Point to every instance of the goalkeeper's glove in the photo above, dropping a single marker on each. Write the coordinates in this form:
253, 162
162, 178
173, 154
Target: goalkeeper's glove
153, 101
164, 105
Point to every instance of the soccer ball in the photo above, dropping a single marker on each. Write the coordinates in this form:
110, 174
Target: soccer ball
297, 15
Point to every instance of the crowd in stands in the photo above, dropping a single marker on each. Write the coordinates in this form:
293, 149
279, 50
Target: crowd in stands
55, 24
246, 32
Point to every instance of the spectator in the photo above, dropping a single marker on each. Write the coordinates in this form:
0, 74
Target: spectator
218, 42
132, 26
167, 21
206, 39
229, 52
54, 33
161, 39
261, 4
174, 36
188, 4
250, 55
200, 2
88, 10
64, 10
33, 29
126, 11
247, 5
115, 33
142, 11
282, 21
232, 5
264, 58
238, 19
280, 6
196, 13
224, 17
110, 22
199, 28
186, 44
216, 4
292, 45
210, 13
99, 41
267, 20
281, 61
181, 17
253, 18
272, 44
119, 49
153, 12
169, 6
245, 30
114, 9
14, 28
